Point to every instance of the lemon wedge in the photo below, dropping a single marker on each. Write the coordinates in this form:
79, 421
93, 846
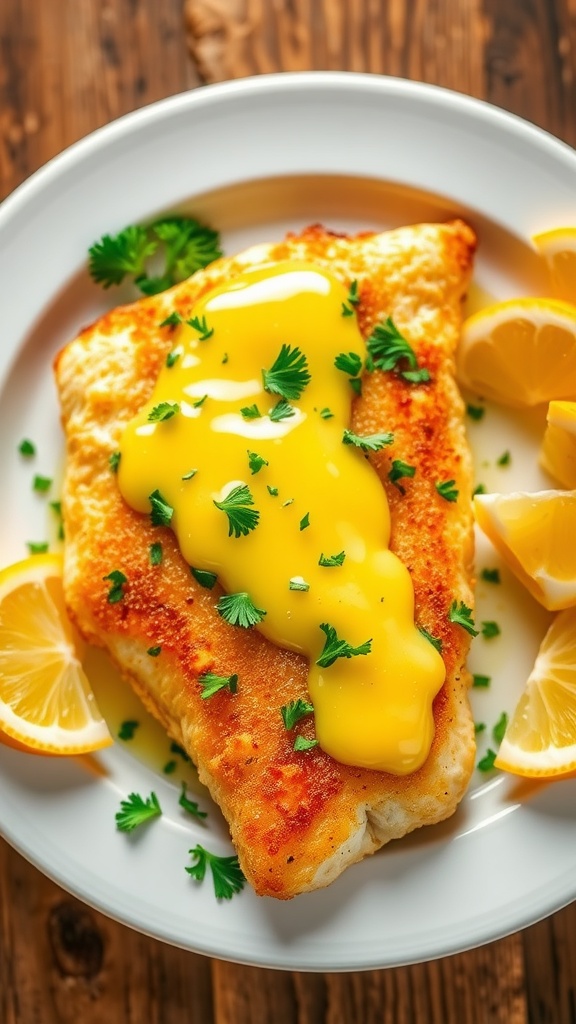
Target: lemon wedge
46, 702
558, 452
540, 739
558, 248
534, 533
521, 352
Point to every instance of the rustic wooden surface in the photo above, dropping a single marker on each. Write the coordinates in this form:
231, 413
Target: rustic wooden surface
66, 67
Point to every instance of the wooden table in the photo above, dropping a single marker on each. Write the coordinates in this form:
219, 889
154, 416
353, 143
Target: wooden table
66, 67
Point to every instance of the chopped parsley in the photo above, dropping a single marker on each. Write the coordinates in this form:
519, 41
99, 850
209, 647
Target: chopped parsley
500, 727
347, 310
27, 448
41, 484
447, 490
335, 648
481, 682
175, 748
273, 491
135, 811
239, 610
288, 375
170, 767
281, 411
332, 560
199, 401
356, 385
200, 325
305, 522
56, 507
491, 575
399, 470
242, 519
462, 616
188, 246
475, 412
294, 711
117, 580
172, 320
298, 583
155, 553
389, 350
190, 805
486, 763
190, 474
127, 729
211, 684
348, 362
114, 461
326, 413
371, 443
37, 547
505, 459
479, 489
255, 462
352, 299
289, 502
154, 651
301, 744
163, 411
490, 630
227, 875
434, 640
203, 577
251, 412
173, 357
160, 511
479, 727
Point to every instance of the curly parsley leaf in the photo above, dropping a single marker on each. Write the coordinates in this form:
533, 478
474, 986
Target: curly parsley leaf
490, 630
462, 616
115, 256
135, 811
255, 462
227, 875
288, 375
398, 471
163, 411
388, 349
370, 443
189, 244
281, 411
348, 362
190, 805
335, 648
242, 519
212, 683
332, 560
294, 711
239, 610
200, 325
301, 744
251, 412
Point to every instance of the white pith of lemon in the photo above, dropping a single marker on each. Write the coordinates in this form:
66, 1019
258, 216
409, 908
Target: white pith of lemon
46, 702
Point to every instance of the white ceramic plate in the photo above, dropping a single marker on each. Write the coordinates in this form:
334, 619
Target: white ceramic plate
256, 157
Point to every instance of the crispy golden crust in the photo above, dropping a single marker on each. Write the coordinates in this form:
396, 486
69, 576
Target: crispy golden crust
297, 820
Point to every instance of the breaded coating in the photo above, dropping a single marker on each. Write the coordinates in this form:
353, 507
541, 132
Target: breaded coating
297, 820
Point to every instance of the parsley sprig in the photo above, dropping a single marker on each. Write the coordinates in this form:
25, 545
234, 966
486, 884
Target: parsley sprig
190, 805
398, 471
447, 490
388, 349
461, 615
160, 511
239, 610
227, 875
329, 561
288, 375
281, 411
370, 443
117, 579
242, 519
294, 711
187, 246
163, 411
335, 648
212, 683
135, 811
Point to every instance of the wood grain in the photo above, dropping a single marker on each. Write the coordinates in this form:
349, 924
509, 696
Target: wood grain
66, 67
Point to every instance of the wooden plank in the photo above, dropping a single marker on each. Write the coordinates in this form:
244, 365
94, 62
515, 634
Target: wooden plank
550, 956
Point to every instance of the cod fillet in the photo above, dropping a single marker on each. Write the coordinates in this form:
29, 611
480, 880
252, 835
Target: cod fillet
297, 821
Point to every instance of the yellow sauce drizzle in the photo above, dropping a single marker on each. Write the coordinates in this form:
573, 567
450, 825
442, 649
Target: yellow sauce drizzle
372, 711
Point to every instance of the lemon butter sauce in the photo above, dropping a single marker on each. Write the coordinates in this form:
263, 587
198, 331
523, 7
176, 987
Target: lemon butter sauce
313, 551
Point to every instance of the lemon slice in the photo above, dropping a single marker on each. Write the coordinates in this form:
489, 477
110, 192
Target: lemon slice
558, 247
520, 352
541, 736
558, 452
46, 702
534, 533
